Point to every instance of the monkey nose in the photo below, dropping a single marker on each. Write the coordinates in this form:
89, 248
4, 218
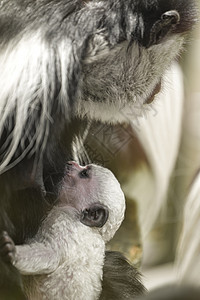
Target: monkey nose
72, 163
82, 172
75, 165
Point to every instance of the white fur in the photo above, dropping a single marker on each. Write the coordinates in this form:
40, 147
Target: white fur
65, 258
73, 255
25, 84
21, 64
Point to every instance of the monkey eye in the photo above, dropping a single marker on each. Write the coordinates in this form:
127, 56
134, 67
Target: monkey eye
85, 173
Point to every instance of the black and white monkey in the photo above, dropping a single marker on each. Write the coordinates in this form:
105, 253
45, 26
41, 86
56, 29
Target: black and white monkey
65, 258
64, 62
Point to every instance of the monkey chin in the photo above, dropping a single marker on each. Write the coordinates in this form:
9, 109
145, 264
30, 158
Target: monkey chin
116, 80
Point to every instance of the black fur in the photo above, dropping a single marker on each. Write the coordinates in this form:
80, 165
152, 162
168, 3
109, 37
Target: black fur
120, 280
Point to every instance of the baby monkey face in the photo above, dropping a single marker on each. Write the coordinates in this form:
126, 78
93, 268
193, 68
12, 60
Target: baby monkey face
84, 185
79, 184
94, 192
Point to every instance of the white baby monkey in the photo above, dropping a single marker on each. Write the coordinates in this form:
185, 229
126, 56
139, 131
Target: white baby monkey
65, 259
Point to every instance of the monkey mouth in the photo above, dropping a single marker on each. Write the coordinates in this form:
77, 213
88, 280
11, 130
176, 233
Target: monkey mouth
155, 91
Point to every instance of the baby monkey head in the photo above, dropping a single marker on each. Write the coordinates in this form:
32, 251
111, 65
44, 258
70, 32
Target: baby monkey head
96, 194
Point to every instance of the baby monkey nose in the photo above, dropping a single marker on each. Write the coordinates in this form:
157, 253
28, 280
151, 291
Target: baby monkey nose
75, 165
83, 171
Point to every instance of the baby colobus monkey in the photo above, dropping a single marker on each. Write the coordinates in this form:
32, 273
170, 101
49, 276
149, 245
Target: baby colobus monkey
65, 258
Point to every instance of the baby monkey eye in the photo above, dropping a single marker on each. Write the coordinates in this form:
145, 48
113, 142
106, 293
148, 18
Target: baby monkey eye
84, 173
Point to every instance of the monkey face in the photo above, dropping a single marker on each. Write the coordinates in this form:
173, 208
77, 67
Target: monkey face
78, 185
96, 194
123, 72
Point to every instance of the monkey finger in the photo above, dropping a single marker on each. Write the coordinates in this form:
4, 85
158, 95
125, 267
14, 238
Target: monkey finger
3, 234
7, 247
5, 238
7, 253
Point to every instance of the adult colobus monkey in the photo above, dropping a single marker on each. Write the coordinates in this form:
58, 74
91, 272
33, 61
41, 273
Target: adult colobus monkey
63, 62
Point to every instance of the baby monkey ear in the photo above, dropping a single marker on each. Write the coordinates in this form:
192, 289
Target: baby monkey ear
95, 216
162, 27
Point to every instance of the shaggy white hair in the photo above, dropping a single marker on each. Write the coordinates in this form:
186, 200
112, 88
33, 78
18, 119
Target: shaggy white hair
65, 259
